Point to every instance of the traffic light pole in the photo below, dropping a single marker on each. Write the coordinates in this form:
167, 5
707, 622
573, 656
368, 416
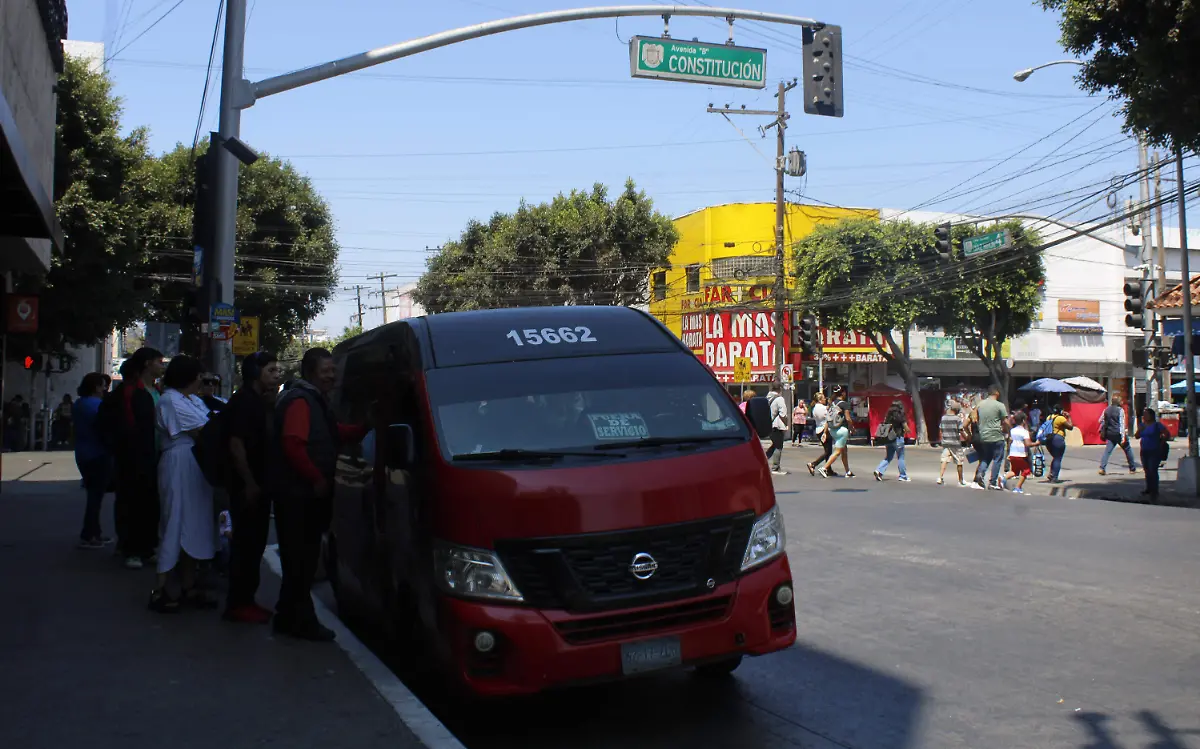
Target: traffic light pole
1189, 364
1153, 395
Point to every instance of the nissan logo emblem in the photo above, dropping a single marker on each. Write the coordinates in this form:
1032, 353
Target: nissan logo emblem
643, 566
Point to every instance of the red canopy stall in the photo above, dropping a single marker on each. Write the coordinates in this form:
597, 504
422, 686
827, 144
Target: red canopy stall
879, 399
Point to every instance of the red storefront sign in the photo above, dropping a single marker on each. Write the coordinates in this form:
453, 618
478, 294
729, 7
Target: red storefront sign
734, 334
22, 313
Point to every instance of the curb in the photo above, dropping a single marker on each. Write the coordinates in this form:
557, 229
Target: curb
412, 712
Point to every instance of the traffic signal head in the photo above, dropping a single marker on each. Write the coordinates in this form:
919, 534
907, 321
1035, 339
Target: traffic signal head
823, 70
810, 336
28, 362
1135, 305
942, 241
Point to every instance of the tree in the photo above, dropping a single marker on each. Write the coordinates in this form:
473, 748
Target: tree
1146, 52
992, 298
580, 248
870, 276
93, 285
286, 255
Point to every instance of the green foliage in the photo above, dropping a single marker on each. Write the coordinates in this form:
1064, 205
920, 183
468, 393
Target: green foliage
93, 284
286, 251
580, 248
1145, 52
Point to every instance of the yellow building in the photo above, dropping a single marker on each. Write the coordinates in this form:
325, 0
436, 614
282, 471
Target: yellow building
715, 294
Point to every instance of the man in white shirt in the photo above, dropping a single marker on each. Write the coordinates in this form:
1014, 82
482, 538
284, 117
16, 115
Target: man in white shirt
779, 426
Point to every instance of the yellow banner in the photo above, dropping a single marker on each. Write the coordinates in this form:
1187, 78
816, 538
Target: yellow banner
245, 337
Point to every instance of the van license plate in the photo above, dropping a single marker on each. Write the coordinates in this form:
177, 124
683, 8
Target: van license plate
650, 655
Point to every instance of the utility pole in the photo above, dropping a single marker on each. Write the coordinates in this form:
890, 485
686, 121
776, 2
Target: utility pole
780, 291
382, 277
1148, 320
358, 290
1189, 365
1158, 224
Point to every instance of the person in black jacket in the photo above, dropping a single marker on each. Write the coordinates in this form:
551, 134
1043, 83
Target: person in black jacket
129, 421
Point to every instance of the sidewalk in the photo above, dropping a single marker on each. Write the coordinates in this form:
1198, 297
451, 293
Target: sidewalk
1080, 472
83, 663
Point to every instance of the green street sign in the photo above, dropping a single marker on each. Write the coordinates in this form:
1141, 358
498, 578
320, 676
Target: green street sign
694, 62
997, 240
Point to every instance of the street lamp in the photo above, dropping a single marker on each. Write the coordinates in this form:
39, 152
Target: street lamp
1021, 75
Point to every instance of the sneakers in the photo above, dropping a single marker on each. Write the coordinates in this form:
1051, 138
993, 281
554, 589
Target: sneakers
906, 479
941, 481
849, 474
90, 543
778, 472
962, 483
977, 485
996, 487
878, 476
133, 563
1018, 491
822, 473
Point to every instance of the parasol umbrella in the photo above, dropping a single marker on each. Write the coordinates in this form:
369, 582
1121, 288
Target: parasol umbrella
1085, 383
1047, 385
1180, 387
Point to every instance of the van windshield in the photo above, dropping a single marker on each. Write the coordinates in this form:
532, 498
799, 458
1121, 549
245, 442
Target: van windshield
634, 402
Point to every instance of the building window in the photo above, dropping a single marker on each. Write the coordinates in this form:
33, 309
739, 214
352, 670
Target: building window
660, 285
693, 278
743, 266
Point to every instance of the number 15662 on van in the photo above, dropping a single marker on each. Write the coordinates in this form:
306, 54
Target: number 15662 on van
552, 336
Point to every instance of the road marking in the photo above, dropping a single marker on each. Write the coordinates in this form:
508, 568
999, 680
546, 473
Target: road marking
412, 712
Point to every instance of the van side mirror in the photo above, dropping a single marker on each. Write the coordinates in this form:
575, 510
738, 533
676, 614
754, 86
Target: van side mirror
402, 451
759, 412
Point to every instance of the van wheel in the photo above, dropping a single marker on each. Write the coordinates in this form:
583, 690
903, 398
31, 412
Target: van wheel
719, 669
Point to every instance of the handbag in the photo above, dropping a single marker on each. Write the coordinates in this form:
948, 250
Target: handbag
1039, 463
885, 431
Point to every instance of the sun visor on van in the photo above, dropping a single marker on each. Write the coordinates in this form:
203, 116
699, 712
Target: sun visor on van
501, 335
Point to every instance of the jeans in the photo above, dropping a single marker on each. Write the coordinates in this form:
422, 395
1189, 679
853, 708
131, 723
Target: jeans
989, 453
776, 448
95, 473
251, 525
1124, 446
1057, 445
895, 451
1150, 463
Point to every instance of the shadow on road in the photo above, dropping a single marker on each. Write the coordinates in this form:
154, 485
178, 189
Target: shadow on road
1102, 736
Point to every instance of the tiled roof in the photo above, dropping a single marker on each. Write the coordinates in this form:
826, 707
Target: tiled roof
1173, 297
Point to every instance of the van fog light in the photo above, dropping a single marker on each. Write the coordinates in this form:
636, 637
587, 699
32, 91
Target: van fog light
485, 642
783, 595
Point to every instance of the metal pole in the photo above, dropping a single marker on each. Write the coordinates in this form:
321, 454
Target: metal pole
1148, 317
1158, 225
780, 209
219, 271
1189, 365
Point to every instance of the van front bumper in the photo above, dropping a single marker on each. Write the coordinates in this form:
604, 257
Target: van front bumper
536, 650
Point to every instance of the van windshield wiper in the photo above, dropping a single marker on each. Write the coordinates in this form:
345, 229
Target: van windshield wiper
517, 455
661, 441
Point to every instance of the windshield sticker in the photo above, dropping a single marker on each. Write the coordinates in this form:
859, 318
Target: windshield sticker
619, 426
723, 425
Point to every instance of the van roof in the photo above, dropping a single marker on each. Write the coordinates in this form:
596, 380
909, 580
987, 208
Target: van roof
525, 333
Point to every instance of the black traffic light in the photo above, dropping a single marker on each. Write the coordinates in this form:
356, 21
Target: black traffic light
943, 242
823, 70
810, 336
1135, 305
1164, 359
203, 220
29, 362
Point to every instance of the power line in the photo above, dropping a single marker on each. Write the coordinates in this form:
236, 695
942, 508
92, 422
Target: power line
147, 29
212, 53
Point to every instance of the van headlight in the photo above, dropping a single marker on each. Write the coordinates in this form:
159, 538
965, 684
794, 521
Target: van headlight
767, 539
473, 573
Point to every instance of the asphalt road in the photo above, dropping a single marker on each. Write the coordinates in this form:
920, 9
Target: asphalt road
929, 617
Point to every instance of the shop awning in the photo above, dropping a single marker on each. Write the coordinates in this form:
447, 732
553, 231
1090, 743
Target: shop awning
26, 208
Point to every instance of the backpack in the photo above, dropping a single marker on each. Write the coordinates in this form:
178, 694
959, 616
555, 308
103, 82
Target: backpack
211, 450
838, 419
1045, 430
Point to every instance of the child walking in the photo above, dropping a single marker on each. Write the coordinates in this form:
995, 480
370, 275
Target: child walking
1018, 452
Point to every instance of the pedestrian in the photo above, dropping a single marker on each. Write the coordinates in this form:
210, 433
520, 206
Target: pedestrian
60, 428
747, 396
249, 421
1115, 433
127, 419
1154, 437
779, 427
953, 437
820, 422
894, 429
301, 468
992, 415
799, 421
838, 426
1035, 417
1056, 443
91, 457
1018, 452
187, 530
209, 385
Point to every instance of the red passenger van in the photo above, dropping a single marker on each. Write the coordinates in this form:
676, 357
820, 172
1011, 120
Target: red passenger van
553, 496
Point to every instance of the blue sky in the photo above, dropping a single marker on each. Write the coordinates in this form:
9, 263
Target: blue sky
408, 152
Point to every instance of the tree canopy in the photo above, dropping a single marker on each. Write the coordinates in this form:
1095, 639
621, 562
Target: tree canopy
1145, 52
579, 248
286, 258
93, 284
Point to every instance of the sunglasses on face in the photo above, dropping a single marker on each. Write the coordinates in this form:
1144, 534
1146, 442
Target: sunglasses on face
211, 381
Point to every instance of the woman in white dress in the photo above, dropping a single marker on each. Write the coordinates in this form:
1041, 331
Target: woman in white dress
185, 497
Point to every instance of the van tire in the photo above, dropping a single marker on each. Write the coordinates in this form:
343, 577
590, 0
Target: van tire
719, 669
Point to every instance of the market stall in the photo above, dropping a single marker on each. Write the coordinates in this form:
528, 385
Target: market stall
1086, 406
877, 400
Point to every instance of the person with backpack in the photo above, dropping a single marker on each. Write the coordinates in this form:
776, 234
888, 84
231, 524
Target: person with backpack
1056, 428
893, 430
1112, 429
247, 422
838, 426
779, 426
127, 422
1154, 442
